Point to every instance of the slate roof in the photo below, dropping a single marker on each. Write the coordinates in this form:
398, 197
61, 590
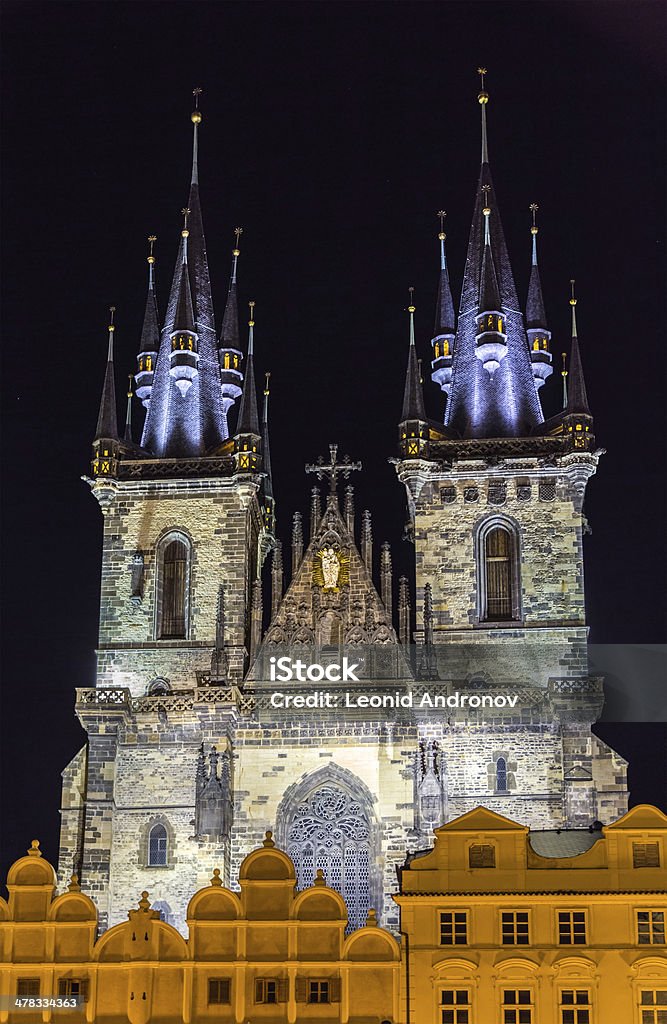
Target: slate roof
107, 419
567, 842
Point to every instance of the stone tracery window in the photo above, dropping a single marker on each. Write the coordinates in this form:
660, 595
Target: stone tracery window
330, 830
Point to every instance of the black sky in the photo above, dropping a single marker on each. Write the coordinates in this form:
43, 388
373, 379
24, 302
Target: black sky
332, 133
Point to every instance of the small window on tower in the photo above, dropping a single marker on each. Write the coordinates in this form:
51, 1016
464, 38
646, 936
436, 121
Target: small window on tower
173, 596
157, 846
498, 551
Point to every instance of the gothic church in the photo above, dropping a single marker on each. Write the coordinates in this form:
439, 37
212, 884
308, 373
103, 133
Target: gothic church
188, 762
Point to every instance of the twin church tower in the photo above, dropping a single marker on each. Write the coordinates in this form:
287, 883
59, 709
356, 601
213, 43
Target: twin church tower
187, 763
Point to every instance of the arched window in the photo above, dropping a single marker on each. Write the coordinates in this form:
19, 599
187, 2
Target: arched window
501, 775
157, 846
499, 604
173, 584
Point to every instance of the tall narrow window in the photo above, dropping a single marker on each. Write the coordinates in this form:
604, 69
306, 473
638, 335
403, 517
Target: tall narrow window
157, 846
501, 775
174, 591
498, 552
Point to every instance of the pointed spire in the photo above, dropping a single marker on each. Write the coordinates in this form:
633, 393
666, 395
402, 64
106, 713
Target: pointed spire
577, 399
445, 321
404, 610
348, 508
128, 414
248, 415
268, 483
184, 319
535, 315
195, 117
413, 396
386, 578
315, 511
489, 294
149, 345
367, 540
483, 98
229, 333
563, 374
276, 578
256, 614
107, 422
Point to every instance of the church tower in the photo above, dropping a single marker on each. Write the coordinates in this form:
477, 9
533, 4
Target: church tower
496, 497
185, 533
196, 746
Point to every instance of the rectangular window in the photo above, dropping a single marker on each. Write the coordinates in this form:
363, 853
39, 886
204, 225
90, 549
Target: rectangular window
318, 992
27, 987
651, 927
514, 927
653, 1006
73, 988
517, 1006
219, 991
482, 855
571, 927
575, 1006
455, 1006
266, 990
645, 855
454, 928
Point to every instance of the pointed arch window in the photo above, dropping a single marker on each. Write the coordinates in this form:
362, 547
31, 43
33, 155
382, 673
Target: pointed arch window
498, 571
501, 775
157, 846
172, 605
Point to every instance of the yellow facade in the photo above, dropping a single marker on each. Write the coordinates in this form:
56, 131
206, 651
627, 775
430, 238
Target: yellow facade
496, 934
264, 955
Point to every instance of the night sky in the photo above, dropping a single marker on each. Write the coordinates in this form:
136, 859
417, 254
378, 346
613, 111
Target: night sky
332, 133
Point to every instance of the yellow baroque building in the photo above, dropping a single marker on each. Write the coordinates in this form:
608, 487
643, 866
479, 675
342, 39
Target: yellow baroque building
495, 933
492, 932
266, 954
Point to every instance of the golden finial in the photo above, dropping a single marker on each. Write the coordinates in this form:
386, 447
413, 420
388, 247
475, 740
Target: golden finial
267, 378
186, 213
73, 885
268, 842
533, 209
152, 239
483, 96
487, 209
216, 880
251, 321
563, 372
195, 116
34, 850
144, 902
573, 301
238, 232
130, 378
441, 216
411, 307
112, 310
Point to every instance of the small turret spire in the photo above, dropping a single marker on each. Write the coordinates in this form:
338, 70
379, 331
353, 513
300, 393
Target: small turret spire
483, 99
445, 320
536, 318
128, 414
413, 397
107, 422
563, 374
184, 355
229, 349
577, 399
248, 415
491, 338
150, 335
269, 501
195, 117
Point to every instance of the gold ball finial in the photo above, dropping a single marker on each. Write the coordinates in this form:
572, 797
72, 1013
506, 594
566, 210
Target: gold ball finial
195, 116
34, 850
152, 239
112, 310
573, 301
533, 209
411, 307
483, 96
251, 321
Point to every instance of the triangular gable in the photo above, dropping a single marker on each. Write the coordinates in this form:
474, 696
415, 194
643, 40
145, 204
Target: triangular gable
481, 819
332, 598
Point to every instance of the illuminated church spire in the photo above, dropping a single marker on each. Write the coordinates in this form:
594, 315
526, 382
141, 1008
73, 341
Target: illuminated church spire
536, 319
185, 417
577, 399
150, 335
107, 420
128, 413
229, 349
247, 440
502, 400
445, 320
184, 354
269, 499
413, 426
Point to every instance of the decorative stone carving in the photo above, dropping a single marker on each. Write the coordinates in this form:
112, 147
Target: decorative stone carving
471, 494
331, 569
213, 810
497, 492
430, 798
548, 489
448, 495
523, 490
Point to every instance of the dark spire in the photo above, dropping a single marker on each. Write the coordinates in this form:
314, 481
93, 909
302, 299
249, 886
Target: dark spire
413, 396
248, 415
107, 421
149, 345
196, 121
535, 315
266, 453
445, 321
229, 334
489, 293
577, 399
184, 317
128, 414
483, 99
